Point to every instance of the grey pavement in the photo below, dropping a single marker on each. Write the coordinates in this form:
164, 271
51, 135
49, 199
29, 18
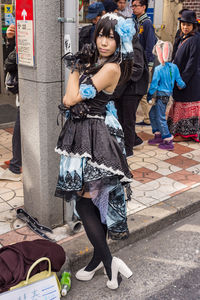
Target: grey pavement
166, 266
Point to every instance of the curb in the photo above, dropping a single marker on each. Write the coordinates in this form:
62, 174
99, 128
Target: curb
141, 225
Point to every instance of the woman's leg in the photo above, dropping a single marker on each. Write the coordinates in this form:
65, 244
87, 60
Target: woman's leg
96, 232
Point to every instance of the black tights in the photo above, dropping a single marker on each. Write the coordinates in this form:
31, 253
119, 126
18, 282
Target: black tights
96, 232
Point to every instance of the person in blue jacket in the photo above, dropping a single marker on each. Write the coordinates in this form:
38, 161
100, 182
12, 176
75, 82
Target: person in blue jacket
162, 83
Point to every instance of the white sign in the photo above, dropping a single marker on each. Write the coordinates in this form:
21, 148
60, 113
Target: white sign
25, 42
45, 289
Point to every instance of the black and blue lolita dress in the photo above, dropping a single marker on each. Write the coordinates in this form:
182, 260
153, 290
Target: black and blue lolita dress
93, 159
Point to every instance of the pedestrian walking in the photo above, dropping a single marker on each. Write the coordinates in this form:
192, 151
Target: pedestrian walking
148, 40
14, 171
164, 77
184, 115
93, 168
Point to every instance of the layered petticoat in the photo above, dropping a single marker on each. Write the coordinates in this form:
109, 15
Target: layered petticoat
184, 119
93, 160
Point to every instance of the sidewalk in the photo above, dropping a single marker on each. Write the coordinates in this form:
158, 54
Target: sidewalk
160, 178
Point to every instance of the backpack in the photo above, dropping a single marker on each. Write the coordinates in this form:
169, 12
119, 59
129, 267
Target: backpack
10, 67
84, 36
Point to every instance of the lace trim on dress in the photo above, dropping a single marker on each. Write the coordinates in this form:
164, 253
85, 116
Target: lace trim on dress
64, 152
110, 169
94, 117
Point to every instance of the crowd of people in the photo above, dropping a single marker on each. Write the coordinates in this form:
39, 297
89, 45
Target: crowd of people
118, 53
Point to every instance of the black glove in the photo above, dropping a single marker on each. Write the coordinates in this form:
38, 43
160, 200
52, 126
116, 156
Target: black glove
80, 60
79, 111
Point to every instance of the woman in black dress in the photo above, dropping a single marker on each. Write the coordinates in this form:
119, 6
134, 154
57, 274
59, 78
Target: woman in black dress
93, 168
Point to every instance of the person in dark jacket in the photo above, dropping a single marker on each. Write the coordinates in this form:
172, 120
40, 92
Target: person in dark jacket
184, 115
15, 164
95, 11
178, 35
148, 40
129, 95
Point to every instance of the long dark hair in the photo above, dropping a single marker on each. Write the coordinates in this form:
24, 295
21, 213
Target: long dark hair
106, 25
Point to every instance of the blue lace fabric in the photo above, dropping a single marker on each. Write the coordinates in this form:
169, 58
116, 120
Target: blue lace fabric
80, 170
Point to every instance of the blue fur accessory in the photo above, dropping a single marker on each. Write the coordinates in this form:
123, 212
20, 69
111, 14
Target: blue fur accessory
126, 30
87, 91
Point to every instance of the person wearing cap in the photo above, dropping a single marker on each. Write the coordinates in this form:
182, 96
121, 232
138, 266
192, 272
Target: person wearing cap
95, 11
184, 115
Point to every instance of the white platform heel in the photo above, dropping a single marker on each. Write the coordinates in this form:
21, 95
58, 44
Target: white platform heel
118, 266
87, 275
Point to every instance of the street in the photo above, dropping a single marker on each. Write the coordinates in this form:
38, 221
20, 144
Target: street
165, 267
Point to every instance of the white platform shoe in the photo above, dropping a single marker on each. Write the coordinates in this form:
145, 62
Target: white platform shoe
87, 275
118, 266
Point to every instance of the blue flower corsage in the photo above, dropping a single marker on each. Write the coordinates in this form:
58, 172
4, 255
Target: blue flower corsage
87, 91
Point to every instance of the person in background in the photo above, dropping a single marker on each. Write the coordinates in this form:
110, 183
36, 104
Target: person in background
128, 96
162, 83
124, 8
184, 115
148, 40
178, 35
95, 11
15, 164
110, 6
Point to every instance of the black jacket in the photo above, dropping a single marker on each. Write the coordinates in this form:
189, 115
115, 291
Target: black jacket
138, 83
188, 61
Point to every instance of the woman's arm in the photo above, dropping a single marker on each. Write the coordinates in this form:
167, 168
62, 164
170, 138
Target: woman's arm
105, 79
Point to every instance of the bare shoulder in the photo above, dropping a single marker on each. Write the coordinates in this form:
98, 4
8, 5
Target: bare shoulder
112, 68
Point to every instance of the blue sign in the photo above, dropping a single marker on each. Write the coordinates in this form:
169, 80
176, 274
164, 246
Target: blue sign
150, 13
9, 19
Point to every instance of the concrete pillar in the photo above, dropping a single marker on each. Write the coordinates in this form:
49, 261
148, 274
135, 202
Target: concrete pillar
40, 93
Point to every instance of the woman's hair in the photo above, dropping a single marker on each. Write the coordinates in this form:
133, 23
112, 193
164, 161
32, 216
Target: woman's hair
105, 25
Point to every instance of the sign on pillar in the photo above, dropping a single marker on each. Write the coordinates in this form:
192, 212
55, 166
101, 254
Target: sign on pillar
25, 32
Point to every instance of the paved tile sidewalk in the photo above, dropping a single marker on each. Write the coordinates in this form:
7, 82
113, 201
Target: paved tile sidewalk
158, 175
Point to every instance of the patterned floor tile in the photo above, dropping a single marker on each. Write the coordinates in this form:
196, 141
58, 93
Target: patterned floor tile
16, 202
180, 149
164, 185
195, 155
134, 206
191, 144
144, 175
4, 207
181, 161
163, 168
8, 196
185, 177
4, 228
145, 136
194, 169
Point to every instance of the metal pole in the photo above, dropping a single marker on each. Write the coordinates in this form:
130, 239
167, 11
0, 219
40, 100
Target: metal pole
2, 91
71, 42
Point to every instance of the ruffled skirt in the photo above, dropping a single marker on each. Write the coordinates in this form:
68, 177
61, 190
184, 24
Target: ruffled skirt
184, 120
93, 160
